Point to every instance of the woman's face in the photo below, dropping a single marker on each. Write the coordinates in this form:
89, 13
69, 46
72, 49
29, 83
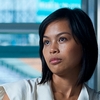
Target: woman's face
61, 52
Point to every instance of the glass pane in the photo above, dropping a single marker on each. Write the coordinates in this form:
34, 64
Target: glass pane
13, 69
33, 11
19, 39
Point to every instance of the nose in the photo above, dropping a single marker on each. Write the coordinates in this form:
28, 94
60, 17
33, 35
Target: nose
54, 49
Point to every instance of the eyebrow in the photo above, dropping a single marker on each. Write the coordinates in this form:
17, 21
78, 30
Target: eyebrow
58, 34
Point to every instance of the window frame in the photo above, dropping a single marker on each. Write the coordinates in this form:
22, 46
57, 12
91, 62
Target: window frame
19, 51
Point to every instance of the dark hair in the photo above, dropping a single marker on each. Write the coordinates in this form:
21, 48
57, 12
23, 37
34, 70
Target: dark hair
82, 29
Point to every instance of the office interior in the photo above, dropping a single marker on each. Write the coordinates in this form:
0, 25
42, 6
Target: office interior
19, 40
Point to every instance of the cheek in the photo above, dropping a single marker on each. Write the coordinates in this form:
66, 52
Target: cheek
45, 54
72, 53
76, 54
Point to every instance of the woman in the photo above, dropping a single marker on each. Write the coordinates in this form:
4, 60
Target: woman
69, 52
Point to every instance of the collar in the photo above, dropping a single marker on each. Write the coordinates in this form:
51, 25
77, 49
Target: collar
44, 92
83, 94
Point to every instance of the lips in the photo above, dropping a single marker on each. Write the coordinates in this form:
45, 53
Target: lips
55, 61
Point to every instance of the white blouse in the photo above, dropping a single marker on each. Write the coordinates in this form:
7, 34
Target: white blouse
30, 90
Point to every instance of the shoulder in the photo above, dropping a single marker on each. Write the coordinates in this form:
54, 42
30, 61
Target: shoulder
93, 95
20, 89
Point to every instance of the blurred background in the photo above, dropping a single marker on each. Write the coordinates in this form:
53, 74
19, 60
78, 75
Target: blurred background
19, 40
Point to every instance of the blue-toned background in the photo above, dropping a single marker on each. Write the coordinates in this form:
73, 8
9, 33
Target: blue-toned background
31, 11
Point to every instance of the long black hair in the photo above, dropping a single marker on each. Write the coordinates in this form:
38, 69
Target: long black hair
82, 28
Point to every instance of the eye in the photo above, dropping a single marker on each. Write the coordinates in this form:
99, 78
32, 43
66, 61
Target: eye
46, 42
62, 39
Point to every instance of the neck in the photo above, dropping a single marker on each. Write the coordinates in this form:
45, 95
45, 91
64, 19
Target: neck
65, 86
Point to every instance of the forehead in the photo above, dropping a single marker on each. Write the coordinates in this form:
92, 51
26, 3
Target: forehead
58, 26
